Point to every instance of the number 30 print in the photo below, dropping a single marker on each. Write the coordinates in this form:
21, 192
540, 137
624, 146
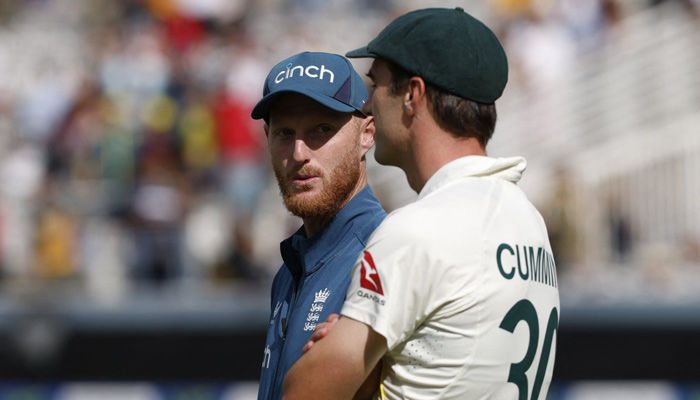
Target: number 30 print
525, 311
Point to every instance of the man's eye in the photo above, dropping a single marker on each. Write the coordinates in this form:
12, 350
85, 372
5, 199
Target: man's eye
325, 129
285, 132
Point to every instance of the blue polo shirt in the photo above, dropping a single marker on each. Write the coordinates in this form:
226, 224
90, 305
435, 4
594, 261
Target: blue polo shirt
311, 284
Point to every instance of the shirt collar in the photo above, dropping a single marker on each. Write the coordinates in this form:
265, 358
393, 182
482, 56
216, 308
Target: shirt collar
508, 169
304, 255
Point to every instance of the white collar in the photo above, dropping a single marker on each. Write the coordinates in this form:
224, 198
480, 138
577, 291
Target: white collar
509, 169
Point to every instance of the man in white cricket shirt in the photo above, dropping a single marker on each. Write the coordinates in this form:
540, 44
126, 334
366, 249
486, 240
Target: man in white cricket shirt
456, 294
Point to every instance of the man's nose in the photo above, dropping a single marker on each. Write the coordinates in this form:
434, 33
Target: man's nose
301, 151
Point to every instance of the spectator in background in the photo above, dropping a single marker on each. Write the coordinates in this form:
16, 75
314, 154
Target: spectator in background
158, 207
55, 246
619, 230
563, 225
318, 137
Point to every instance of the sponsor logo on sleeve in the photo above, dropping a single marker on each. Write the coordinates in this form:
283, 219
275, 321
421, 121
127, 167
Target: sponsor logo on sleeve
369, 280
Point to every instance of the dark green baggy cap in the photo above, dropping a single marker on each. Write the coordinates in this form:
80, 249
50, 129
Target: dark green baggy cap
446, 47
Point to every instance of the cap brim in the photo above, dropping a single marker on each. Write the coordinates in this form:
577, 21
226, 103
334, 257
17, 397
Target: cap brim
362, 52
262, 109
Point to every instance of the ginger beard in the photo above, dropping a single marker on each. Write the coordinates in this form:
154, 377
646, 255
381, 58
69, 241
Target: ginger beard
338, 184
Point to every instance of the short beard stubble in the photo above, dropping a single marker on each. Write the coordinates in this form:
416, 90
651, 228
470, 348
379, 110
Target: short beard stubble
338, 185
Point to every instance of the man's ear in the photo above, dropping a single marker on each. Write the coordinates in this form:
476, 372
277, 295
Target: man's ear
266, 127
367, 134
414, 95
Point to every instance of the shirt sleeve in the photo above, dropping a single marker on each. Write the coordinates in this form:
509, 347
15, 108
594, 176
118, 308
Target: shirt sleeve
390, 289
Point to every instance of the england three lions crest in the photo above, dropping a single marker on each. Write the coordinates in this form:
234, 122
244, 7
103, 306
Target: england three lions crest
320, 298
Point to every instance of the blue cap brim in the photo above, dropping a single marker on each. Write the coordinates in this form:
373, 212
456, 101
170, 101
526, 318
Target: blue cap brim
262, 109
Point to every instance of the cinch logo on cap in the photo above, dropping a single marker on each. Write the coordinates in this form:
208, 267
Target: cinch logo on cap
369, 277
328, 79
312, 71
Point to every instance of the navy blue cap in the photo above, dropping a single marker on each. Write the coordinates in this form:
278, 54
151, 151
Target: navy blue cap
326, 78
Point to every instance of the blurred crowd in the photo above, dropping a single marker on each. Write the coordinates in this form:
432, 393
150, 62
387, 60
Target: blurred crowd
127, 152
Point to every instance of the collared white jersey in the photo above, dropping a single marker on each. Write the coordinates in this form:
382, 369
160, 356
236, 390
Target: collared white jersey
462, 284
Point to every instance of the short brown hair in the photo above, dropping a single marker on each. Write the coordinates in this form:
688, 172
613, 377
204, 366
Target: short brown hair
459, 116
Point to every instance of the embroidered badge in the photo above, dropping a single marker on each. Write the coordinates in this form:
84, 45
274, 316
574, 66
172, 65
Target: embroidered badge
314, 312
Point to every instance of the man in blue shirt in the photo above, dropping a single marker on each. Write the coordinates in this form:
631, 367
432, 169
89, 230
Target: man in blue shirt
318, 138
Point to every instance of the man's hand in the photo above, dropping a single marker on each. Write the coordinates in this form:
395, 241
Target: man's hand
321, 331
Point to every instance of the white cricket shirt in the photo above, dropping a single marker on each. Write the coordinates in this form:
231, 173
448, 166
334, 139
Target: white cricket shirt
462, 285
